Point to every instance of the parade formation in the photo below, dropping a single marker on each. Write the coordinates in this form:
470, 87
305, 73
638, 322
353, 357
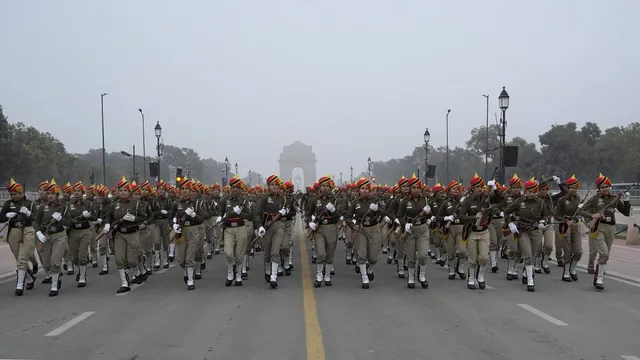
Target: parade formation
465, 228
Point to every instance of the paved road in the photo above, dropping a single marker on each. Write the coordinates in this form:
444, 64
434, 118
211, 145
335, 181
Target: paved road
162, 320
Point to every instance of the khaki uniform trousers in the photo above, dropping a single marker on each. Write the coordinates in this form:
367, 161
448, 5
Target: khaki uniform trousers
187, 246
250, 232
384, 234
602, 242
103, 242
368, 242
161, 237
126, 248
455, 247
202, 232
22, 245
548, 234
530, 242
287, 241
217, 233
146, 240
209, 225
572, 244
417, 242
558, 242
272, 242
326, 242
79, 241
92, 242
496, 237
52, 251
235, 244
478, 245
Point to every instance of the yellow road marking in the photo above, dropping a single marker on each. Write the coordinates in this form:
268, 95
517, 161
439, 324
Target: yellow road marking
315, 346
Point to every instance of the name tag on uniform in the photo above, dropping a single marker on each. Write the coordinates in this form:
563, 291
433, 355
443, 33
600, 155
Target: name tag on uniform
187, 223
325, 222
78, 226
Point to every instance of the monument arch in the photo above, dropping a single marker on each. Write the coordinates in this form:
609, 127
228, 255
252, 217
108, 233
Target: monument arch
298, 155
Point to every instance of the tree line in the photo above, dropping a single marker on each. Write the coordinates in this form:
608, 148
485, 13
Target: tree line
565, 150
30, 156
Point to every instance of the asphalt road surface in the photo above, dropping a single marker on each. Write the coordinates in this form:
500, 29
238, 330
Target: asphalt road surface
162, 320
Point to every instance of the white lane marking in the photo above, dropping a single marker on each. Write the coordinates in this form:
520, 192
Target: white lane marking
71, 323
6, 275
133, 287
539, 313
629, 357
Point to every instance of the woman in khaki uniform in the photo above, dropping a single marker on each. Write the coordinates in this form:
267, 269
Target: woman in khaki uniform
50, 224
21, 235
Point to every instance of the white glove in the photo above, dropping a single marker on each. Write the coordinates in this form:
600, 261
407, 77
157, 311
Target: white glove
25, 211
330, 207
625, 197
313, 226
106, 229
397, 221
501, 214
261, 231
408, 227
513, 228
556, 179
448, 218
175, 220
129, 218
163, 212
218, 219
313, 218
41, 237
373, 207
429, 221
433, 218
462, 199
397, 231
190, 212
541, 225
341, 218
237, 210
110, 196
99, 221
354, 221
387, 220
176, 228
56, 215
11, 215
86, 214
491, 183
283, 212
426, 209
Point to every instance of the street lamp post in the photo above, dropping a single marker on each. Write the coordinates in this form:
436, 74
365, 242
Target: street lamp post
427, 137
369, 166
503, 101
447, 121
104, 156
158, 130
486, 142
351, 175
341, 178
144, 149
236, 166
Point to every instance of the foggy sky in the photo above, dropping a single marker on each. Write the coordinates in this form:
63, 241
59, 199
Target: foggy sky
354, 79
